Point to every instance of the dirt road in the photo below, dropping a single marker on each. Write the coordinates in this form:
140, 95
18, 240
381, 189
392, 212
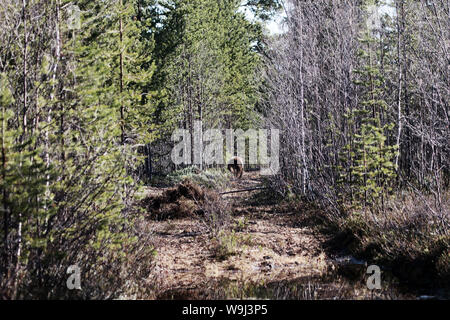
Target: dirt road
265, 246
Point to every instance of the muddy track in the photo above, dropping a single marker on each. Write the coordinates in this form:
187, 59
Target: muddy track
267, 246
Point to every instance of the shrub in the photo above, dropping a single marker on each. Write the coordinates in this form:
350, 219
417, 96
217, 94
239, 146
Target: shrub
217, 213
224, 245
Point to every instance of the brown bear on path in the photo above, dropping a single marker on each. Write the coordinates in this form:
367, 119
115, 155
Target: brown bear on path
236, 167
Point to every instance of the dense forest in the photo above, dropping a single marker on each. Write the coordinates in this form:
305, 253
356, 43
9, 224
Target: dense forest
92, 91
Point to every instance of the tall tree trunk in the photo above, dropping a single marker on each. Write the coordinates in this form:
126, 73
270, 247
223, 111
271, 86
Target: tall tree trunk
122, 107
25, 58
23, 136
400, 82
5, 206
302, 104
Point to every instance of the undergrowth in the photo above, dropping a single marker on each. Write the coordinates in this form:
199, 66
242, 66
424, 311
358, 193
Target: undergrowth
410, 237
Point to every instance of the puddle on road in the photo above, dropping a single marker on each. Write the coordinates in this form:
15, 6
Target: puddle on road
343, 281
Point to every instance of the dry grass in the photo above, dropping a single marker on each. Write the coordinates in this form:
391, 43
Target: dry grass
411, 237
217, 213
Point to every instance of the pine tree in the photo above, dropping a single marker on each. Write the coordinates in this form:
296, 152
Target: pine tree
22, 182
207, 66
93, 111
368, 159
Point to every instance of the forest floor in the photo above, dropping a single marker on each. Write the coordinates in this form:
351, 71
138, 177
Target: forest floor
266, 253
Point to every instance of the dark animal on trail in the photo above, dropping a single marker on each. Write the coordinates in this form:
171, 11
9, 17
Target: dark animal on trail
236, 167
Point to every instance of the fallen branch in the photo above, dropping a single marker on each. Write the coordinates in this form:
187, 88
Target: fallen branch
243, 190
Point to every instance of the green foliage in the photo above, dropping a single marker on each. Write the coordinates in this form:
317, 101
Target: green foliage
264, 9
65, 177
23, 177
206, 65
116, 66
225, 245
367, 161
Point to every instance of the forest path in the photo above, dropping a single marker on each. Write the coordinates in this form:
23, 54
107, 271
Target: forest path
264, 246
